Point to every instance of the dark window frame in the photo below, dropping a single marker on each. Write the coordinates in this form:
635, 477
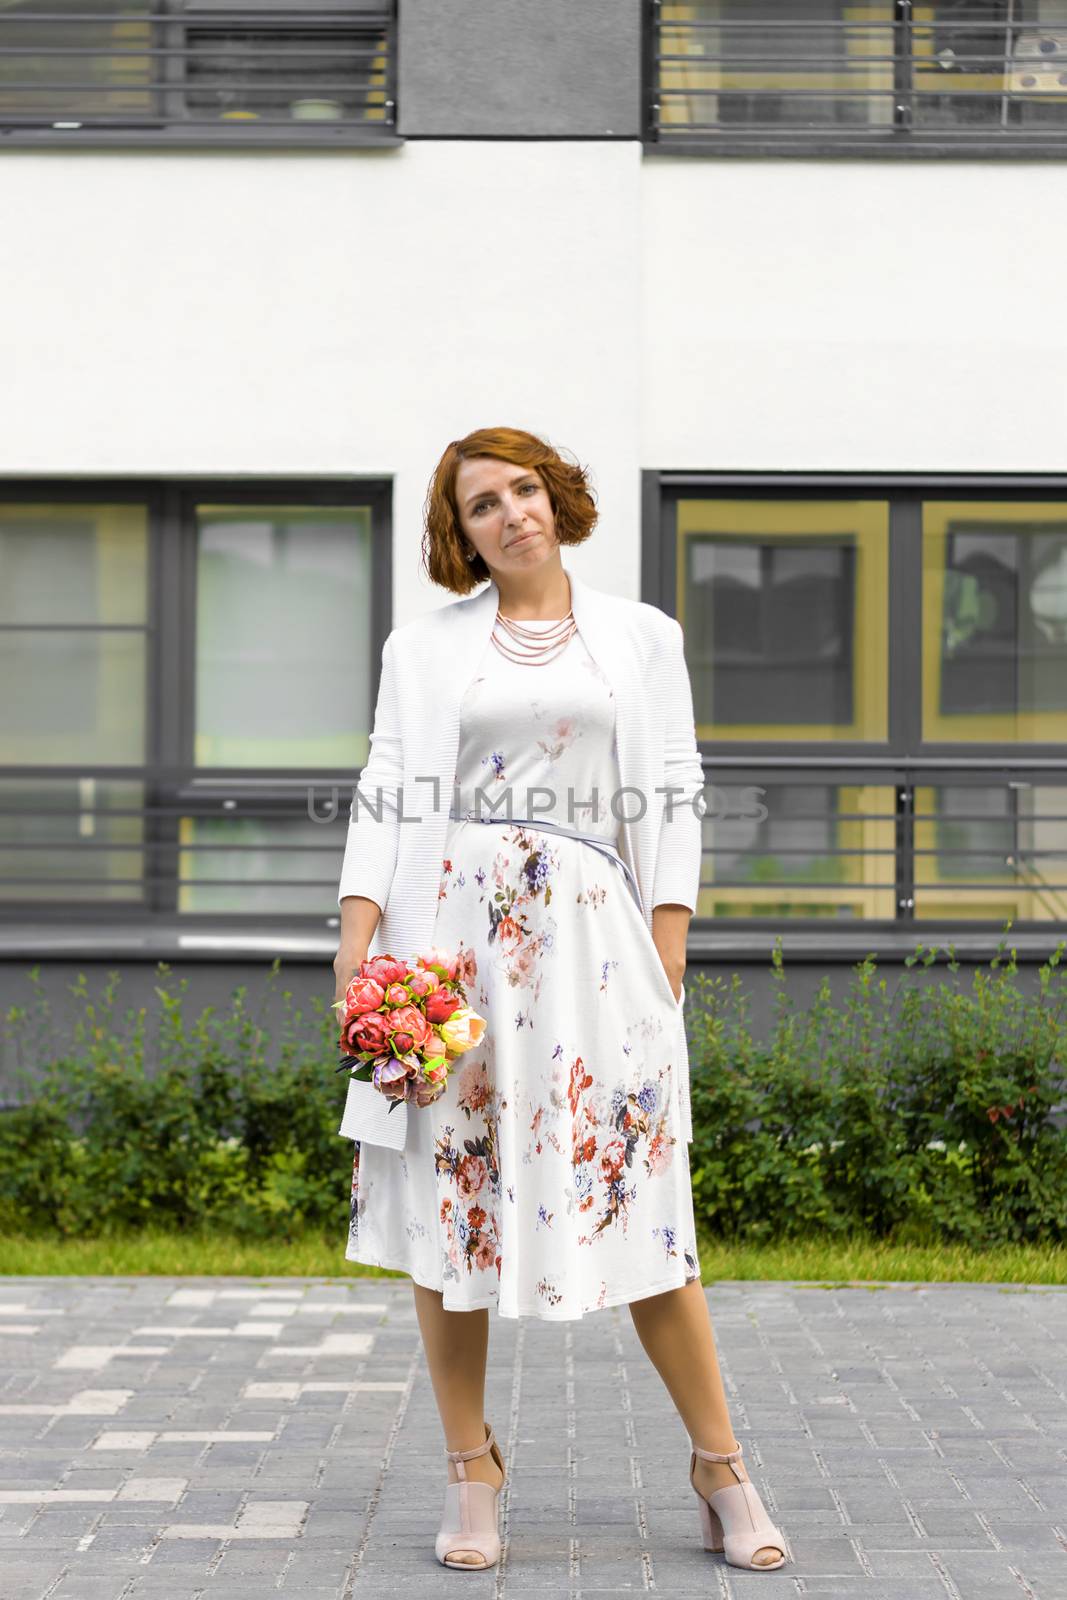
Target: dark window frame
161, 133
905, 760
173, 785
902, 141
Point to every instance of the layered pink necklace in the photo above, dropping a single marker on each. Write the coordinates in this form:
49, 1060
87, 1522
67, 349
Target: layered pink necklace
529, 646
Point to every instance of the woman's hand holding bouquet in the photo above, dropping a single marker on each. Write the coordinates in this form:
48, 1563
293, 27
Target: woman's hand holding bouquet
402, 1027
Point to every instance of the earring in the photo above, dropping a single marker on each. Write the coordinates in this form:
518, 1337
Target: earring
471, 554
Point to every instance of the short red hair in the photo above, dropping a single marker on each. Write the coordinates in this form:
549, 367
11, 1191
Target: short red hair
573, 507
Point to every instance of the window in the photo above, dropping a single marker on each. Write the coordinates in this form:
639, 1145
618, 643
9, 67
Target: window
785, 611
880, 693
179, 674
817, 76
995, 603
197, 72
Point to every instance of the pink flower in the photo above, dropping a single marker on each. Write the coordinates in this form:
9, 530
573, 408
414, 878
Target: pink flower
441, 962
522, 964
471, 1174
484, 1253
409, 1028
363, 994
474, 1086
611, 1159
384, 970
421, 982
659, 1157
397, 995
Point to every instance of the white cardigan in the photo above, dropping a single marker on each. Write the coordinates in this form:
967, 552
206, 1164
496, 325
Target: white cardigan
427, 665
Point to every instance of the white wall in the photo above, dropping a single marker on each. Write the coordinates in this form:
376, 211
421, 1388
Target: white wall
896, 316
350, 313
327, 314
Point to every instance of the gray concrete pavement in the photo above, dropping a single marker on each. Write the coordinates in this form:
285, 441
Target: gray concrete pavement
195, 1437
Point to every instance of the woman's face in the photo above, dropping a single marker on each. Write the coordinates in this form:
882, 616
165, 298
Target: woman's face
506, 513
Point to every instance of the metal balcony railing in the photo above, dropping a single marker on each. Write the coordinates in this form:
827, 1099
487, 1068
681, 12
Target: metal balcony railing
887, 76
856, 840
196, 72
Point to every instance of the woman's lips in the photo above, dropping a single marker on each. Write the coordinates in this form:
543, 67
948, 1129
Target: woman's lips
522, 539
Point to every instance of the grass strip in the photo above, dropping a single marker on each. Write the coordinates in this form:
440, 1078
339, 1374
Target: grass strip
861, 1260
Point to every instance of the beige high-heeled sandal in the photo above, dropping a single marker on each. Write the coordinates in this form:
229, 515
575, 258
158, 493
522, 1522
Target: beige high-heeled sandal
734, 1519
470, 1512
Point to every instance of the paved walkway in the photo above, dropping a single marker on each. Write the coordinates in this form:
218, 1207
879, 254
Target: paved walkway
242, 1437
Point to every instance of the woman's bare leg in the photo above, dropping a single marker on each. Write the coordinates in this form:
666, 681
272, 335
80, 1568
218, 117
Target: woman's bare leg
457, 1345
675, 1330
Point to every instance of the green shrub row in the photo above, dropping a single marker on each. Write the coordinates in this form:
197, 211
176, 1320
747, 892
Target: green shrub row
932, 1112
197, 1121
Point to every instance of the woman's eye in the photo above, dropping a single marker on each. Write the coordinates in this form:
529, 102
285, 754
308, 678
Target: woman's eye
533, 487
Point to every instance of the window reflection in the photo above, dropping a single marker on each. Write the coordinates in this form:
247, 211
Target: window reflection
73, 633
71, 840
820, 850
272, 865
771, 65
282, 623
996, 586
991, 852
784, 607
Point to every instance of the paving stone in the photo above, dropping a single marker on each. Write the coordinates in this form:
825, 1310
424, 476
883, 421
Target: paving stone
909, 1441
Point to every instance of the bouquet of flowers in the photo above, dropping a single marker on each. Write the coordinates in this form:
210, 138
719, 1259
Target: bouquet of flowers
402, 1027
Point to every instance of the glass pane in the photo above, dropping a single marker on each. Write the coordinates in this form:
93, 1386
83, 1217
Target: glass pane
995, 622
105, 86
77, 839
771, 65
784, 606
991, 852
990, 65
73, 563
820, 850
262, 864
71, 697
85, 61
282, 622
252, 66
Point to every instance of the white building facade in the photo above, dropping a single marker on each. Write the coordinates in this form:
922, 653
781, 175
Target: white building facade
784, 277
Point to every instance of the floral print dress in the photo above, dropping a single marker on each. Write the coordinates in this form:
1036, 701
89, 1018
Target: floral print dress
549, 1180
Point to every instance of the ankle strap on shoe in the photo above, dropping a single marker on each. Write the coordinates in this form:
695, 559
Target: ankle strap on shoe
467, 1455
713, 1455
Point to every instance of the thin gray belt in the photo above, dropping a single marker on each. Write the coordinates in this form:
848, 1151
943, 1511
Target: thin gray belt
605, 846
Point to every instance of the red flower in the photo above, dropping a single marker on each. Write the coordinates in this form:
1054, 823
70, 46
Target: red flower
368, 1032
409, 1029
441, 1004
384, 970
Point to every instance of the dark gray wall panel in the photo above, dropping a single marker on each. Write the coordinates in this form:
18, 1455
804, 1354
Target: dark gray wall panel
520, 68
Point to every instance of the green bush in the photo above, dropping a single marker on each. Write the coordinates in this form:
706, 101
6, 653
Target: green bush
215, 1134
928, 1113
932, 1113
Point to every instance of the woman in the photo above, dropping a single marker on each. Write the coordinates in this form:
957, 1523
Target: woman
552, 1177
